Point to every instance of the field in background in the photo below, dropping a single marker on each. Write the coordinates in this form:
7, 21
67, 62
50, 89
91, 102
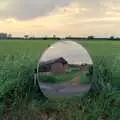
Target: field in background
29, 52
17, 62
18, 55
35, 48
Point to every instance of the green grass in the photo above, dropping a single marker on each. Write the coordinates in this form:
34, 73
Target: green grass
91, 107
32, 50
17, 62
59, 78
102, 48
35, 48
84, 79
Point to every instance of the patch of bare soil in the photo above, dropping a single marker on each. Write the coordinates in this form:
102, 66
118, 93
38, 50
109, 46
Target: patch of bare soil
7, 109
44, 115
74, 81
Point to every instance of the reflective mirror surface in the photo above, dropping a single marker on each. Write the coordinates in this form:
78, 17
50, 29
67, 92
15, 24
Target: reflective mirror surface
63, 70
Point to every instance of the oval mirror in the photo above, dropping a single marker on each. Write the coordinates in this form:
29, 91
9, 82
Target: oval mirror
63, 70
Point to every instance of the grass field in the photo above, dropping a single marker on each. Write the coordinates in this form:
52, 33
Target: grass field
35, 48
59, 78
17, 62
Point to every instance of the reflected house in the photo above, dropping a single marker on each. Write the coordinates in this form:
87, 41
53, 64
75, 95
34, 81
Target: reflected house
57, 65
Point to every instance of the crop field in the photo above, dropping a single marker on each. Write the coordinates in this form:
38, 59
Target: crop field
18, 59
24, 53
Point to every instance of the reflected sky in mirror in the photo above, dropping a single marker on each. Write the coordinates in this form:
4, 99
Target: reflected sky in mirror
73, 52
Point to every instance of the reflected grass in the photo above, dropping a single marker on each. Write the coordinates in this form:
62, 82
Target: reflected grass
59, 78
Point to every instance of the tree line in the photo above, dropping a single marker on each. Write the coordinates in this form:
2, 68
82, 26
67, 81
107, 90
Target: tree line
5, 36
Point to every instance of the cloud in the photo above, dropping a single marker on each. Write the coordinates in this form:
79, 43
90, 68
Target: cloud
29, 9
69, 17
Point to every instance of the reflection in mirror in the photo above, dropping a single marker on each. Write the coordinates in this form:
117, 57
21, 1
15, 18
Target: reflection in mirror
63, 70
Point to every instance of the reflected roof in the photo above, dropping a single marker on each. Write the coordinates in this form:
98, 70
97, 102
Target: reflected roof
60, 59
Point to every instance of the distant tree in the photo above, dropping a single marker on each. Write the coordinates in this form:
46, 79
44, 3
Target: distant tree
112, 37
9, 35
32, 37
54, 36
117, 38
90, 37
69, 36
45, 38
26, 36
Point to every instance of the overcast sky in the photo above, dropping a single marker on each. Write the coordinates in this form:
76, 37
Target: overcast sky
60, 17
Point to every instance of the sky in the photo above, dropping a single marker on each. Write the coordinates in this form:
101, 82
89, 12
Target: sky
60, 17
